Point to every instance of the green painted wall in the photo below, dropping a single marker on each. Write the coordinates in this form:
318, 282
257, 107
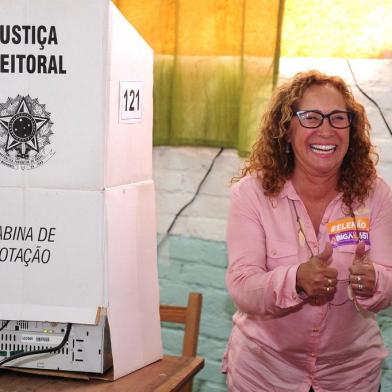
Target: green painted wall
190, 264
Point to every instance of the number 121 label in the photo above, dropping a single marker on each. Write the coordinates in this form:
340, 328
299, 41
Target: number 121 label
131, 101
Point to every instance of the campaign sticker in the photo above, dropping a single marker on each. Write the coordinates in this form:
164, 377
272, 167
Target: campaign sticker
347, 231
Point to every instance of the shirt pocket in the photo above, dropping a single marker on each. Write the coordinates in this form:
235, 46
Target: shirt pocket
281, 253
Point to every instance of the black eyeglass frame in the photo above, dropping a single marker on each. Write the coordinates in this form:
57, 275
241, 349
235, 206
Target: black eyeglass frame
350, 116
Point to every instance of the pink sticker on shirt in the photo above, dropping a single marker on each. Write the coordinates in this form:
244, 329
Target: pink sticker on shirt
347, 231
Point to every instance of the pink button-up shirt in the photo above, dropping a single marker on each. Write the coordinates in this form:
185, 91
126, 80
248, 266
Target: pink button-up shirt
281, 342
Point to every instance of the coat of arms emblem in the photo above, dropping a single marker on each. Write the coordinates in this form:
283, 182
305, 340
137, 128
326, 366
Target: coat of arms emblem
25, 131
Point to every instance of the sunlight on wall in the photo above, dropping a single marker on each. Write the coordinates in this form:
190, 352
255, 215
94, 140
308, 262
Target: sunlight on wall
337, 28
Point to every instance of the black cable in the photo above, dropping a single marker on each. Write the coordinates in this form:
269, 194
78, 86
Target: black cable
163, 239
369, 98
47, 350
4, 325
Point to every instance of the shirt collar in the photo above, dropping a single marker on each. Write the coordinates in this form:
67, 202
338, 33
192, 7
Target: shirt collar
290, 192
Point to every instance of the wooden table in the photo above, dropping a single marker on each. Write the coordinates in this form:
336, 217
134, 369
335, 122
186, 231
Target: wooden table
166, 375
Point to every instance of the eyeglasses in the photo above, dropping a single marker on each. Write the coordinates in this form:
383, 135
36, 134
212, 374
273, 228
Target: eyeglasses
314, 118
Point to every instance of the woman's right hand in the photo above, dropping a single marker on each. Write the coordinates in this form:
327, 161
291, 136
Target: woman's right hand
315, 277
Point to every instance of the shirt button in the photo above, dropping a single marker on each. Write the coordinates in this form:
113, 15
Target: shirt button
273, 252
324, 221
312, 354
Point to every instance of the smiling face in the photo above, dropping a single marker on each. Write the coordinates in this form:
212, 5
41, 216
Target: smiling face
319, 151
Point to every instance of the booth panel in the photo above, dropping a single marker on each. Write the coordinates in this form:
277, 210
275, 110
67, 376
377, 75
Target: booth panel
53, 97
129, 154
51, 254
133, 278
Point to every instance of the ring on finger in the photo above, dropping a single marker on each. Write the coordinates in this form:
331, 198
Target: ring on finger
358, 279
328, 289
360, 286
329, 282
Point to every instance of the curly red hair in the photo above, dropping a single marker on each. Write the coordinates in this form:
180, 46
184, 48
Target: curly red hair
274, 166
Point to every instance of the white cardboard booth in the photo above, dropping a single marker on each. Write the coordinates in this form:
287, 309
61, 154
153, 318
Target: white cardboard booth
81, 71
77, 210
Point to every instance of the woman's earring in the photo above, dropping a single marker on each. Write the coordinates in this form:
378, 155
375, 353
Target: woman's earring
287, 150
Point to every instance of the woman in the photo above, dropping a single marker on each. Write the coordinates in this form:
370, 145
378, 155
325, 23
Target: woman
310, 253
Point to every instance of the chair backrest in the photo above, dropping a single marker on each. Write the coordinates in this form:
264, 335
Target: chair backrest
188, 315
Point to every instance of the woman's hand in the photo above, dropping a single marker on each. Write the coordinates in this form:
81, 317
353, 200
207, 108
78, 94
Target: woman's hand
362, 273
316, 278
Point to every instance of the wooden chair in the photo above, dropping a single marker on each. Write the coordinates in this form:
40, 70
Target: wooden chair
190, 316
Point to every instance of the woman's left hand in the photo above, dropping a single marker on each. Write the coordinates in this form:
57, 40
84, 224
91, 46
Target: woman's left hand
362, 273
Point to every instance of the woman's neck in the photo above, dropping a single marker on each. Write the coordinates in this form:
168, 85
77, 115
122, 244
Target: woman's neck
315, 188
316, 192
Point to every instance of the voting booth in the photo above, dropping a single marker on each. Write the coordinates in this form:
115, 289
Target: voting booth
77, 212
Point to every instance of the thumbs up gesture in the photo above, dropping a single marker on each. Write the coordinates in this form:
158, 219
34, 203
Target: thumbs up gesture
316, 277
362, 273
325, 256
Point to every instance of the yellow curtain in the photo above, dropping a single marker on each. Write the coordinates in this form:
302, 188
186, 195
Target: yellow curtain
215, 65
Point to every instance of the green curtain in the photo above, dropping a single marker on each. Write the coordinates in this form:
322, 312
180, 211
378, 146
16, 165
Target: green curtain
215, 65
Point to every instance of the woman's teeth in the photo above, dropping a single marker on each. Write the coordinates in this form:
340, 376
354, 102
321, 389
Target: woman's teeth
323, 148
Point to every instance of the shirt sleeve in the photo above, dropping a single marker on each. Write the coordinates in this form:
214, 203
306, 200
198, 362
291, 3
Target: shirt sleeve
380, 249
254, 289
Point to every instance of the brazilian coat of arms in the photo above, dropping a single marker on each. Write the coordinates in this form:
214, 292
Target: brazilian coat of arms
25, 132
